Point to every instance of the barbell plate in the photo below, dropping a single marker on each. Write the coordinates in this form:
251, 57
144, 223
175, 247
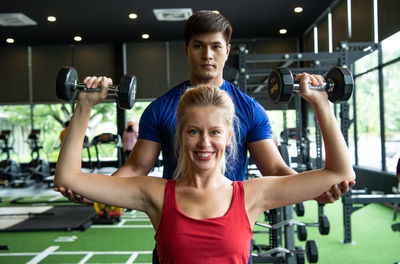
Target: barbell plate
280, 85
344, 83
127, 92
65, 83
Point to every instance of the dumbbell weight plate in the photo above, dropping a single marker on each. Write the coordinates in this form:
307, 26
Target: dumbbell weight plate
127, 92
299, 209
302, 233
65, 83
311, 251
280, 85
344, 83
323, 225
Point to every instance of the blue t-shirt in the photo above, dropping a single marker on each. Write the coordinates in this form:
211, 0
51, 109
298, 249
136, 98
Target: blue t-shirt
158, 123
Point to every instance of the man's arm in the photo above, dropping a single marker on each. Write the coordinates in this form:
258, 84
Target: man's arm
141, 160
275, 165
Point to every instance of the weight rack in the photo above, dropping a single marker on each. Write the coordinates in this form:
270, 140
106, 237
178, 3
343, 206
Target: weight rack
345, 55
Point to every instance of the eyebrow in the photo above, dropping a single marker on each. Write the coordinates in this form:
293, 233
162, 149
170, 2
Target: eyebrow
202, 42
200, 128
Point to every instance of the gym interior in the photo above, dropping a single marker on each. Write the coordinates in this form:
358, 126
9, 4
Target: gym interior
46, 45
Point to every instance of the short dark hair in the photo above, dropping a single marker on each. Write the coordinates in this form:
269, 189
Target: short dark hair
205, 21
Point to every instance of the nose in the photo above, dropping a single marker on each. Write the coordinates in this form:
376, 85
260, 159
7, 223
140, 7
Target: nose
204, 140
207, 54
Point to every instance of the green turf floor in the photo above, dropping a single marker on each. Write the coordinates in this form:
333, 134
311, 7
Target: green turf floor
130, 242
374, 241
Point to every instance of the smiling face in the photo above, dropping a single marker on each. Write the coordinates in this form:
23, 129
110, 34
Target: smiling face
207, 54
204, 138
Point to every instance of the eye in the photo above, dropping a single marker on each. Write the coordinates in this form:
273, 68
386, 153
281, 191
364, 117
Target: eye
197, 46
215, 132
192, 132
217, 47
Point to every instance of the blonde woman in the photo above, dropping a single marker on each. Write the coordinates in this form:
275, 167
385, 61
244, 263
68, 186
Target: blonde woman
201, 216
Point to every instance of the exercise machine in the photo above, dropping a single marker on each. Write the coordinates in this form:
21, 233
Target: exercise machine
107, 138
38, 168
9, 169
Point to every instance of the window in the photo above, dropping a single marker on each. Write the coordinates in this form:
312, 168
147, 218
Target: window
390, 47
136, 112
351, 143
277, 123
366, 63
16, 118
392, 115
368, 108
368, 120
50, 119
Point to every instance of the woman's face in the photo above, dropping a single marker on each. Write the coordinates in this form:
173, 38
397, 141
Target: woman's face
205, 136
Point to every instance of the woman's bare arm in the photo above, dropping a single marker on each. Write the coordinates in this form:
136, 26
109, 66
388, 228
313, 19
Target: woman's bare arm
272, 192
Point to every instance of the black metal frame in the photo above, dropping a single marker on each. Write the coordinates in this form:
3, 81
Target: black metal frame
321, 62
357, 199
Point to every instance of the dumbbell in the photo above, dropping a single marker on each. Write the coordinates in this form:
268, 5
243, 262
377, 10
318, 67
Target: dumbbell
339, 85
67, 87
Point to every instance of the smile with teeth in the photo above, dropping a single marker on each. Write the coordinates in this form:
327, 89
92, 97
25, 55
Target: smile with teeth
204, 155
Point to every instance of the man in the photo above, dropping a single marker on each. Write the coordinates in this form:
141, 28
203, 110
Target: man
207, 35
64, 131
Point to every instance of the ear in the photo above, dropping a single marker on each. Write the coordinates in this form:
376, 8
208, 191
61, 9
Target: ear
228, 49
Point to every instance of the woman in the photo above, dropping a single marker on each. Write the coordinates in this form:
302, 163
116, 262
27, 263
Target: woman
202, 216
129, 138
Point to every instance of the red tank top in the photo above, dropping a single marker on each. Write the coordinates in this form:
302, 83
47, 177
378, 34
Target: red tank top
225, 239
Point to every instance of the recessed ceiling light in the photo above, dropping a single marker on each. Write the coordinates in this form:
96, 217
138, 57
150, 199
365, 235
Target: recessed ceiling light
78, 38
132, 16
298, 9
51, 18
10, 40
283, 31
145, 36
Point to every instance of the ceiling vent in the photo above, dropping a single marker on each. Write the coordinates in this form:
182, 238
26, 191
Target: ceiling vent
15, 20
173, 14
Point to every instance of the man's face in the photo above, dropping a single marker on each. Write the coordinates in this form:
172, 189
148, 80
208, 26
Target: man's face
207, 54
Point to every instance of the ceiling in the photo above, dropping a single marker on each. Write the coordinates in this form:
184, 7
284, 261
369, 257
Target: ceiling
105, 21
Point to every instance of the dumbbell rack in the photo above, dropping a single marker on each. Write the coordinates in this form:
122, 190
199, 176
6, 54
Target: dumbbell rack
281, 232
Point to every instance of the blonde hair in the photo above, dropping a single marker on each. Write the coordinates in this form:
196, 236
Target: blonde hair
202, 96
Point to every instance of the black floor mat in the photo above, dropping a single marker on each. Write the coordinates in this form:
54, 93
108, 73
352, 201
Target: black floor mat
75, 217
